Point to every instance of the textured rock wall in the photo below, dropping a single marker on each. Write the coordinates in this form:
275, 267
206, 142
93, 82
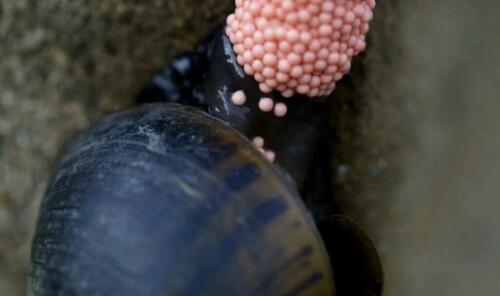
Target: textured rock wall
62, 64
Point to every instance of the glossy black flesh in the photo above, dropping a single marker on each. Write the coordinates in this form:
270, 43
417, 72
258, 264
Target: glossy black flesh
358, 269
175, 83
317, 191
165, 200
180, 81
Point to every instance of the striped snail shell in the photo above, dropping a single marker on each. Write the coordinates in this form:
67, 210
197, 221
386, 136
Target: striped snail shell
166, 200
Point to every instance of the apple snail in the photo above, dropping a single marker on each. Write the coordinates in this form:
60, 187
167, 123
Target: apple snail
196, 191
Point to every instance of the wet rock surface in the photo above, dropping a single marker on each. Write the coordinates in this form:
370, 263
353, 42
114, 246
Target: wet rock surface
415, 143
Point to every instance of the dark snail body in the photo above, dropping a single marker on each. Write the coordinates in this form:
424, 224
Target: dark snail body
215, 75
164, 200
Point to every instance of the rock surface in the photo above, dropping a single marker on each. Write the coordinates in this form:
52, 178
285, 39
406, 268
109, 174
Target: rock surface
62, 64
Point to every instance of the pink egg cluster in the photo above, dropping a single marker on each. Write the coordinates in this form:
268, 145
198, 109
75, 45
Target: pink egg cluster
298, 46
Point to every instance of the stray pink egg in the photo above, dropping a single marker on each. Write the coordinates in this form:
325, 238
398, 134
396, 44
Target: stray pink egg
266, 104
258, 142
239, 98
280, 109
276, 40
270, 155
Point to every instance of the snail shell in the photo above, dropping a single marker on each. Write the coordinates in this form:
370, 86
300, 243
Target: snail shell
166, 200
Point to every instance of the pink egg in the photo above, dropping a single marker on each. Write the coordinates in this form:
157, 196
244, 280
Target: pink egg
340, 11
299, 48
314, 8
304, 16
268, 11
308, 68
284, 66
248, 43
305, 79
269, 34
270, 47
350, 17
258, 37
315, 81
325, 30
292, 18
272, 83
292, 36
323, 54
270, 59
303, 89
248, 69
280, 33
258, 142
325, 18
264, 88
309, 57
315, 45
334, 58
325, 79
328, 6
270, 155
287, 93
337, 23
296, 72
254, 8
282, 77
293, 58
268, 72
320, 65
292, 83
261, 23
248, 57
305, 38
360, 45
313, 92
258, 51
230, 19
281, 87
287, 5
248, 29
285, 47
331, 70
